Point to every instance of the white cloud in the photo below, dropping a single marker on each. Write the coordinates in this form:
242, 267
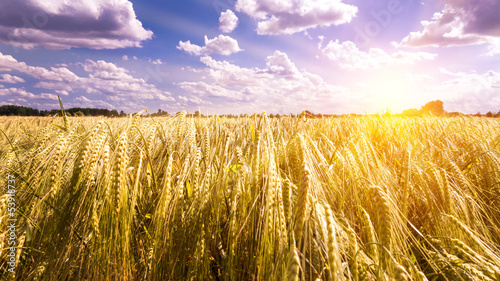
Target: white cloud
348, 56
107, 78
280, 64
103, 78
86, 102
467, 92
193, 100
157, 61
16, 92
9, 63
57, 25
228, 21
321, 39
460, 23
203, 89
278, 87
62, 92
291, 16
125, 57
471, 92
83, 99
223, 45
7, 78
47, 96
18, 100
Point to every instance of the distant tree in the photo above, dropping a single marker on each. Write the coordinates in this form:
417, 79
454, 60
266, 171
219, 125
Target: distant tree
453, 114
433, 107
306, 113
489, 114
16, 110
411, 112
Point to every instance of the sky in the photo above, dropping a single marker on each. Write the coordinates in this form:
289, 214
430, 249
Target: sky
246, 56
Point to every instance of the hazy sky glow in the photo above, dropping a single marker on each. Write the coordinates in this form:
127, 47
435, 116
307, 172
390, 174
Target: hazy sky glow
225, 56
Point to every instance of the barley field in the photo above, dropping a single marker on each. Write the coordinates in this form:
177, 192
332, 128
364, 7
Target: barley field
256, 198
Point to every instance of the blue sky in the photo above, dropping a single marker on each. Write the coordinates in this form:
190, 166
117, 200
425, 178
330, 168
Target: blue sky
224, 56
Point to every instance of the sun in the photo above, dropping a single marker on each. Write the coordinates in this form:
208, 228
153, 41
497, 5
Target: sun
391, 91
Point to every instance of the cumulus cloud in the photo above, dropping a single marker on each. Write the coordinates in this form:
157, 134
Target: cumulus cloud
156, 61
9, 63
471, 92
203, 89
7, 78
125, 57
107, 78
62, 92
16, 92
193, 100
228, 21
460, 23
291, 16
223, 45
47, 96
57, 25
83, 99
349, 56
278, 87
280, 64
86, 102
103, 78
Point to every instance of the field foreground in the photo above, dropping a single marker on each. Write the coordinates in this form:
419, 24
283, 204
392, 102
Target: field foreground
360, 198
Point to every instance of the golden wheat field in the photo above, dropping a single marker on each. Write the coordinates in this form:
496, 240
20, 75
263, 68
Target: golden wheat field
255, 198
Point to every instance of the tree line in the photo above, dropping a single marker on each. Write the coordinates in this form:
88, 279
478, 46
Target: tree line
16, 110
433, 108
